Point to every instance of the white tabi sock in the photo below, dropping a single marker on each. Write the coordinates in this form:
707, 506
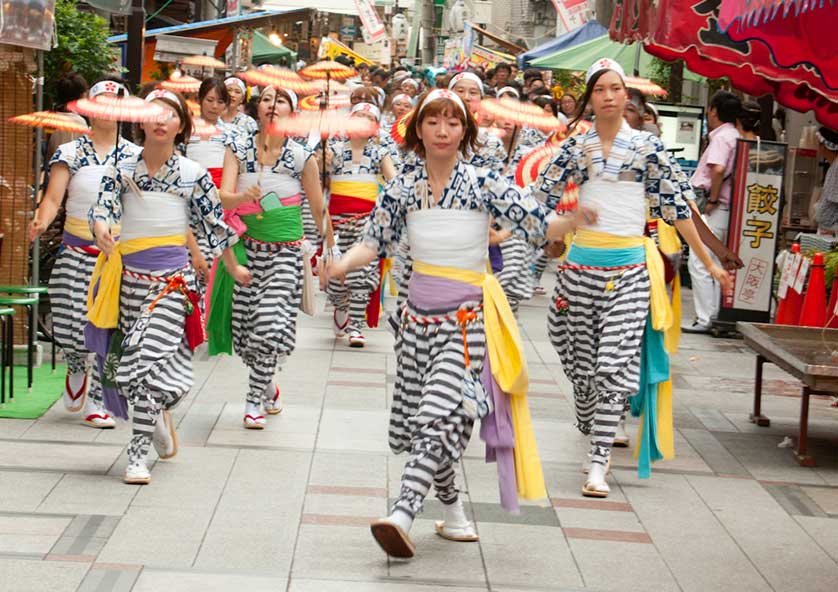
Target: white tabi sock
401, 520
76, 381
454, 514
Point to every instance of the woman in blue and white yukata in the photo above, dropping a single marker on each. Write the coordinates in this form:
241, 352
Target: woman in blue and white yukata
143, 286
76, 169
610, 301
444, 206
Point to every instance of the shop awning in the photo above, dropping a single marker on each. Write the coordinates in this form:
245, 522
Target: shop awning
581, 56
265, 52
588, 31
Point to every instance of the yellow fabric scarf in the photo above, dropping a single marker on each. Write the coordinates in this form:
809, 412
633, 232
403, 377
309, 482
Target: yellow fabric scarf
80, 228
103, 310
661, 312
509, 368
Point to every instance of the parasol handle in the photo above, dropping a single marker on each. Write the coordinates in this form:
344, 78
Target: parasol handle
511, 144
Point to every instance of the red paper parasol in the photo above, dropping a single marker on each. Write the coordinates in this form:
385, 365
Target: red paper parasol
399, 129
328, 70
204, 61
52, 120
334, 87
533, 162
280, 78
182, 84
646, 86
326, 123
194, 108
520, 114
205, 129
117, 108
312, 103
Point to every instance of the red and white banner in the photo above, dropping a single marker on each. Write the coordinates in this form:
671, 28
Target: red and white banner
571, 14
372, 26
755, 207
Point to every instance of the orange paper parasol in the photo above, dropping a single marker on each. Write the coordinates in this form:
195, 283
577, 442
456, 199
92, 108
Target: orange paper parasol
312, 103
399, 129
117, 108
205, 129
182, 84
520, 114
328, 70
325, 123
194, 108
334, 87
646, 86
280, 78
534, 162
52, 120
204, 61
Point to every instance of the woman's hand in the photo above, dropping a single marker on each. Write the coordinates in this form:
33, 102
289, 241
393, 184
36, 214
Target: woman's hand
104, 240
241, 274
36, 228
336, 269
584, 216
721, 276
252, 193
199, 264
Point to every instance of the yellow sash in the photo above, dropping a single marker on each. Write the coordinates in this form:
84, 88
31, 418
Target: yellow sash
80, 228
659, 301
670, 244
509, 368
358, 189
103, 310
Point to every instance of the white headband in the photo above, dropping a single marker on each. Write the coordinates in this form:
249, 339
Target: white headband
441, 93
237, 81
470, 76
291, 95
411, 81
402, 97
366, 108
508, 90
604, 64
159, 93
106, 86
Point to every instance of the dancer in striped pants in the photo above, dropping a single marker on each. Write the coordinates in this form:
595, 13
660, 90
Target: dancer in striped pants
142, 306
610, 302
264, 177
76, 168
441, 334
355, 167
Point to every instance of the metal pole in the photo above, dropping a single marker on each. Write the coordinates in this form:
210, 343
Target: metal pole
35, 278
134, 47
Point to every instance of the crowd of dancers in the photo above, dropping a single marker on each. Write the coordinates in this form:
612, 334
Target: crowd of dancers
177, 237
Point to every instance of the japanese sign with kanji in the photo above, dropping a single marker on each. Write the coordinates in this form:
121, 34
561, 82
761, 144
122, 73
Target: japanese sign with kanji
372, 27
755, 209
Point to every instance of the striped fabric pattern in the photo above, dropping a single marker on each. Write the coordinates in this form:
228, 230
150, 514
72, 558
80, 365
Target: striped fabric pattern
516, 277
598, 340
68, 285
265, 313
354, 293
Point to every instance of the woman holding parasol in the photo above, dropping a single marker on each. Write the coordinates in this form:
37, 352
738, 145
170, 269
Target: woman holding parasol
262, 187
455, 316
76, 169
142, 307
610, 301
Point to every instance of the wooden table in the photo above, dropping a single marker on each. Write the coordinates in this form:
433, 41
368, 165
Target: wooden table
800, 351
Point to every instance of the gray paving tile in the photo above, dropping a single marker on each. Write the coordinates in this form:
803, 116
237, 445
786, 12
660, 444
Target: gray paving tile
609, 565
713, 453
73, 494
118, 578
87, 458
352, 553
823, 531
154, 580
308, 585
21, 575
23, 491
30, 533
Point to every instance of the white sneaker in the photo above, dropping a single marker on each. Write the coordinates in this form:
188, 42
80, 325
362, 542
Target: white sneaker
137, 474
340, 320
356, 338
95, 416
75, 391
621, 438
273, 405
164, 437
253, 418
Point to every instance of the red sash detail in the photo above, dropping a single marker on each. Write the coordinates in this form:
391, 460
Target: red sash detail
345, 204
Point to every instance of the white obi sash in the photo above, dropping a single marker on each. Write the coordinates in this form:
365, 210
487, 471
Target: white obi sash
449, 238
83, 190
287, 188
208, 153
621, 206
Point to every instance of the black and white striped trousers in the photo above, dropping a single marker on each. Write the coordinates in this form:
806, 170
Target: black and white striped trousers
515, 278
68, 285
353, 294
265, 312
427, 417
540, 261
598, 338
155, 371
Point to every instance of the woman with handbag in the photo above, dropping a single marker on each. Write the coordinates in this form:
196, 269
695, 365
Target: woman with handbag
355, 167
142, 304
261, 189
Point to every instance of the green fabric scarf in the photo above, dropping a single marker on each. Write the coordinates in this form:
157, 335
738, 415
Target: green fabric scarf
279, 225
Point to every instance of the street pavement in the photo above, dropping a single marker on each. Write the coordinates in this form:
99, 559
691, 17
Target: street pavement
288, 508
